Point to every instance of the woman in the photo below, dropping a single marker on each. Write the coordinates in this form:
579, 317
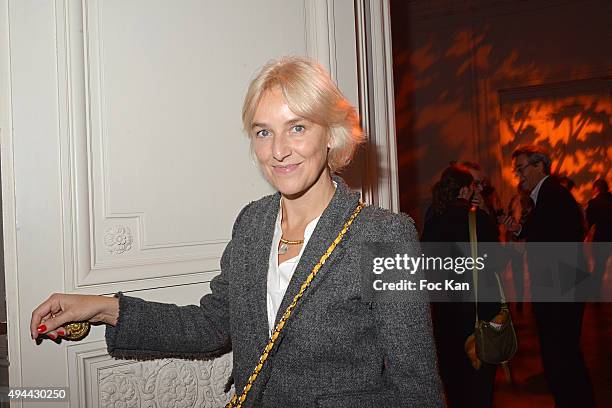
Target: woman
336, 349
464, 385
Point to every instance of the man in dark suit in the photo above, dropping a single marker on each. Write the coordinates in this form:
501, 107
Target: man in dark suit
556, 217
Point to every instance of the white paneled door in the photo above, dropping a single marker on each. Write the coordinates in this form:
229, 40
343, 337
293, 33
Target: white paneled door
124, 165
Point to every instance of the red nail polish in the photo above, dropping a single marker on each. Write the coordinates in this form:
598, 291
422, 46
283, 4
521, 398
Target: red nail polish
51, 336
61, 332
42, 328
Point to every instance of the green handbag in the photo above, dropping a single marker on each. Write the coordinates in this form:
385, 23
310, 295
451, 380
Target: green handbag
495, 341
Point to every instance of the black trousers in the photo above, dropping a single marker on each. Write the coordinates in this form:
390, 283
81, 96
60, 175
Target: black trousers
559, 326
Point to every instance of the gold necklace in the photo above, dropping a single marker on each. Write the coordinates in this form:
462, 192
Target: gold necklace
284, 247
237, 400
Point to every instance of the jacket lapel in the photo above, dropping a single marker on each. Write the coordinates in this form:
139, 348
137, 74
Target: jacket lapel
258, 273
332, 220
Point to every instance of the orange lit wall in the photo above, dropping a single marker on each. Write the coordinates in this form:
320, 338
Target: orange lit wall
576, 130
474, 79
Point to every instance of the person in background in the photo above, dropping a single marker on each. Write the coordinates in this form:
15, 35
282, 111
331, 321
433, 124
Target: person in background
464, 385
492, 202
485, 197
570, 186
556, 217
599, 218
479, 182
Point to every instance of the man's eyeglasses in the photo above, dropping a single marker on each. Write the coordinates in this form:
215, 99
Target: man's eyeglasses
521, 169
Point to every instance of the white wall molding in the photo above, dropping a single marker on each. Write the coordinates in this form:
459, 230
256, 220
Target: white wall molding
320, 41
9, 216
374, 75
377, 104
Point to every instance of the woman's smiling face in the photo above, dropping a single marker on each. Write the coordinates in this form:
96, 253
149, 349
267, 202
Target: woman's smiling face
291, 151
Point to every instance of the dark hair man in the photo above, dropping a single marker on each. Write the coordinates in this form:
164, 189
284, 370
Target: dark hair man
556, 217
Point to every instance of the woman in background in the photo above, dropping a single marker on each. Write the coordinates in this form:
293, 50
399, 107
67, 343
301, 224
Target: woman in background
464, 385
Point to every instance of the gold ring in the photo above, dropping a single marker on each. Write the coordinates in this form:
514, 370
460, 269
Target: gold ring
77, 330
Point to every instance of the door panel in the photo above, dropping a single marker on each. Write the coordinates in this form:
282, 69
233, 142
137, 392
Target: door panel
129, 165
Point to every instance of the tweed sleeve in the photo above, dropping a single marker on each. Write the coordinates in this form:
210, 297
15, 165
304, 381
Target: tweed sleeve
149, 330
406, 335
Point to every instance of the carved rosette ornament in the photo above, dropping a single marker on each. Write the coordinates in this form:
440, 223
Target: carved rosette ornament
118, 239
177, 386
119, 391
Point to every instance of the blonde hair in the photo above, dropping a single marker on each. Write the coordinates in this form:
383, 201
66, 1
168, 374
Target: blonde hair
311, 94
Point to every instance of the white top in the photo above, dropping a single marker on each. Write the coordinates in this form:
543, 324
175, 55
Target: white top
536, 190
280, 275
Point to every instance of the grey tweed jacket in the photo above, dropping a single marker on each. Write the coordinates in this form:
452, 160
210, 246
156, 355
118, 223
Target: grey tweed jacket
338, 349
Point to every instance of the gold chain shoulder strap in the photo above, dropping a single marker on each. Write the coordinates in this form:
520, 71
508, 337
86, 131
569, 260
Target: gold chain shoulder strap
236, 402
